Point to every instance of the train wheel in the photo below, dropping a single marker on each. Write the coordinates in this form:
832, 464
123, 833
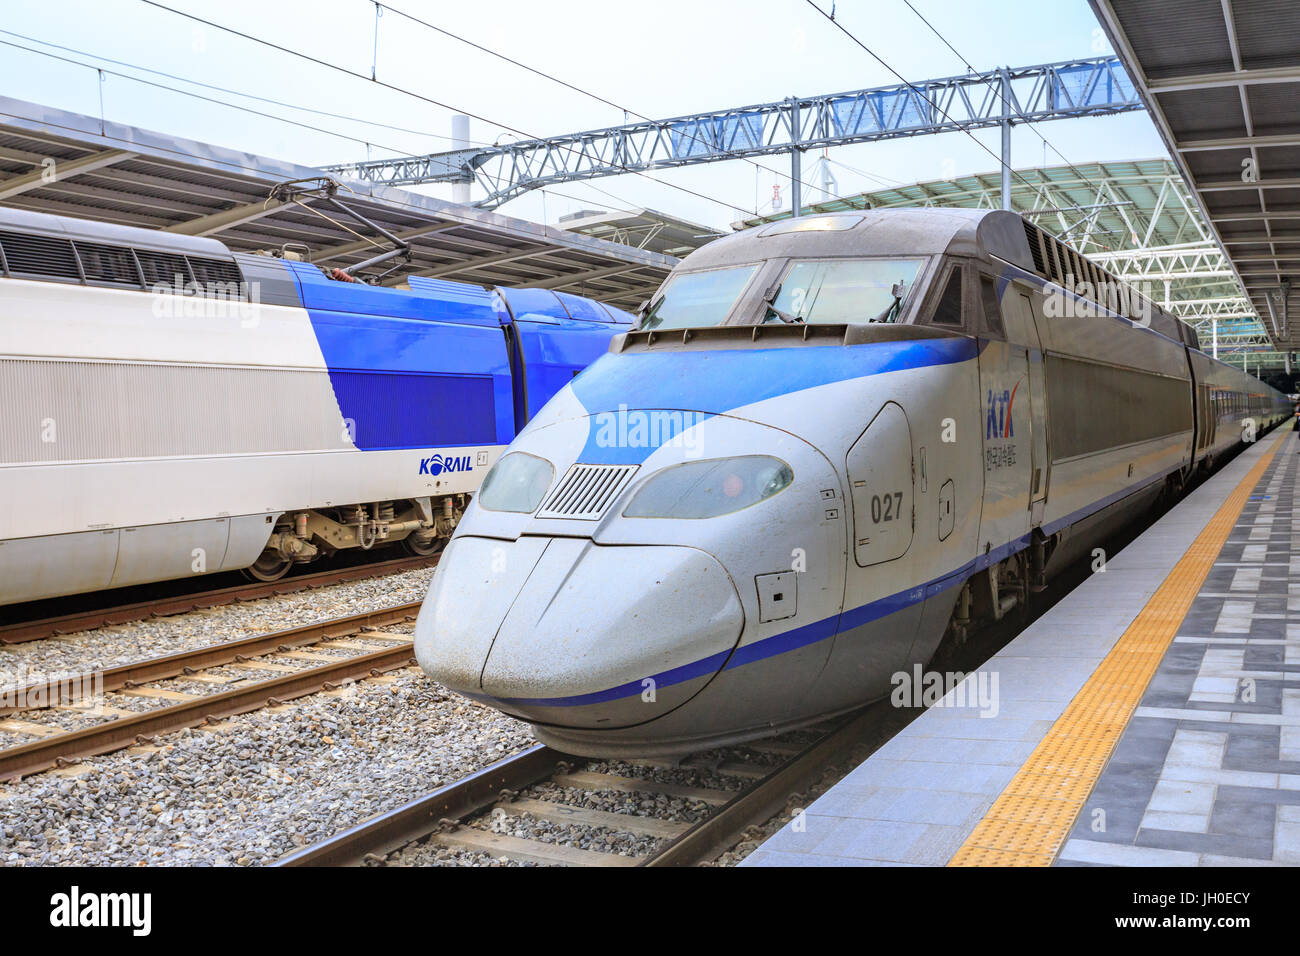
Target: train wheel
271, 566
423, 548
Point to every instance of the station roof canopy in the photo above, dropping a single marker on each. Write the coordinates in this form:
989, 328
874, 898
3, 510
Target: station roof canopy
75, 165
643, 228
1096, 207
1221, 80
1135, 217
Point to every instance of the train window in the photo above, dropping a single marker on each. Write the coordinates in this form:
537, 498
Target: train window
992, 309
837, 291
694, 299
948, 311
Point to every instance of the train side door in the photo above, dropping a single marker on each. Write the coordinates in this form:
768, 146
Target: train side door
1006, 423
1018, 313
873, 641
880, 471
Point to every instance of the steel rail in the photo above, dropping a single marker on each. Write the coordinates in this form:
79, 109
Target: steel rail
389, 831
719, 831
34, 630
386, 832
29, 758
63, 690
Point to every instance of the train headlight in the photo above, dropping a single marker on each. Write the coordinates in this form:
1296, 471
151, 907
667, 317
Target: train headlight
517, 482
706, 489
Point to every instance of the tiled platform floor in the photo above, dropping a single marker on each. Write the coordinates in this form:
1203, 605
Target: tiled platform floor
1208, 770
1203, 774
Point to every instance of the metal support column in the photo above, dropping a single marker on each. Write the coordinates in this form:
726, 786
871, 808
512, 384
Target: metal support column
1214, 332
796, 162
1006, 140
460, 140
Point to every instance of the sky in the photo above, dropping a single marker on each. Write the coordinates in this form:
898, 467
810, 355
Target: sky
661, 59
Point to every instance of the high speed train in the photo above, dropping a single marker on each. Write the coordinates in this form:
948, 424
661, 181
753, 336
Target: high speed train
829, 441
171, 408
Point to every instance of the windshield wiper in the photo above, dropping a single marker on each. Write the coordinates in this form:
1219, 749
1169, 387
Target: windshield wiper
769, 297
647, 312
785, 317
895, 308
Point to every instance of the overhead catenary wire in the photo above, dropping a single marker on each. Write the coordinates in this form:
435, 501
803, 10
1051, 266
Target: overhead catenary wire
1047, 144
242, 93
411, 93
576, 89
101, 72
915, 89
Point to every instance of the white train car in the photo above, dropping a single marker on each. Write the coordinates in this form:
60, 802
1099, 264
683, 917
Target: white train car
173, 409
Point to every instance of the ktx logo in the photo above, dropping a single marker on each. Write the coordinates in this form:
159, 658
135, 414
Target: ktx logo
437, 464
997, 423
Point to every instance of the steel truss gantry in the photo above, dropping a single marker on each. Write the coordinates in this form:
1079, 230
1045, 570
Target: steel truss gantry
1000, 97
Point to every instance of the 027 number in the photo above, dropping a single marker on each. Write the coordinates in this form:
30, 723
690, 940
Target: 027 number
886, 507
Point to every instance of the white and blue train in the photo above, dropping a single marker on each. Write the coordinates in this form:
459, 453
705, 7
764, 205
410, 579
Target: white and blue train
172, 408
829, 442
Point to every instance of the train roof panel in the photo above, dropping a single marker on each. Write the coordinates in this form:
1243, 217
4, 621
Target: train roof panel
26, 221
886, 232
320, 292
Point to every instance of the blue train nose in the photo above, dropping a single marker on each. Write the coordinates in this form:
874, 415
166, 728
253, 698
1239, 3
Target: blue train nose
566, 632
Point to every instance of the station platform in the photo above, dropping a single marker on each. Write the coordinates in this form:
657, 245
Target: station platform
1150, 718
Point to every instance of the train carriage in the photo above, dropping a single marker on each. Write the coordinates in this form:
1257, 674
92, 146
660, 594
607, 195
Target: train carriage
172, 408
829, 442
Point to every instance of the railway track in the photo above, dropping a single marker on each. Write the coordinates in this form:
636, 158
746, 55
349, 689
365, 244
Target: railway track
542, 784
372, 651
38, 628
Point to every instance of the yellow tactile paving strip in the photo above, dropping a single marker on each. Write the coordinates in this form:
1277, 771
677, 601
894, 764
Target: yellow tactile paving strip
1030, 820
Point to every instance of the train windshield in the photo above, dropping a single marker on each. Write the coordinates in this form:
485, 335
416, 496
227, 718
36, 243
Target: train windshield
693, 299
838, 291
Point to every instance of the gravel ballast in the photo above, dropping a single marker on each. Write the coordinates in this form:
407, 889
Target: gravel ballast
117, 644
260, 785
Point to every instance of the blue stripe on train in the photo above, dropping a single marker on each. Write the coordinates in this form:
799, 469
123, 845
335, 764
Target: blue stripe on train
714, 382
826, 628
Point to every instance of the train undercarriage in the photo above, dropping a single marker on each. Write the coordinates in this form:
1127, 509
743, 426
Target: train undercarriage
421, 525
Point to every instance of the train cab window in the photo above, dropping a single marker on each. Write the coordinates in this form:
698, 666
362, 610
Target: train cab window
948, 311
695, 299
843, 291
992, 311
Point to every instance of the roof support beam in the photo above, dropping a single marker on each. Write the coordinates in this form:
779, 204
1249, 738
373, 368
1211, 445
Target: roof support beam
1229, 185
227, 218
1284, 74
59, 170
472, 265
1238, 142
562, 281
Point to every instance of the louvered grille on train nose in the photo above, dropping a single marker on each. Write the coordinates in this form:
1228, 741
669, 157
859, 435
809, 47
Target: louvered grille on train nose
586, 491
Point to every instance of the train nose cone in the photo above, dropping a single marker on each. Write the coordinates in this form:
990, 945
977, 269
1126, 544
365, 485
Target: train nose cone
578, 635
